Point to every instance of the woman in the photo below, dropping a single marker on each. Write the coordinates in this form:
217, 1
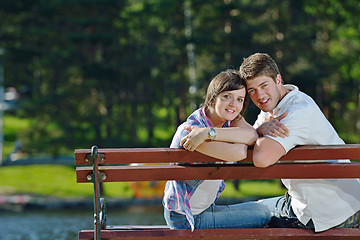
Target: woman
190, 204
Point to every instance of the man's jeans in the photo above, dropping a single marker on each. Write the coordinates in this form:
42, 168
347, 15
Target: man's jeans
282, 215
243, 215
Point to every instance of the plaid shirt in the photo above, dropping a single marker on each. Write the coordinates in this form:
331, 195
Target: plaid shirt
178, 193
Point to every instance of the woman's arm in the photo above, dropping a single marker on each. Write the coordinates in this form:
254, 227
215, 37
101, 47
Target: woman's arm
248, 133
231, 152
242, 132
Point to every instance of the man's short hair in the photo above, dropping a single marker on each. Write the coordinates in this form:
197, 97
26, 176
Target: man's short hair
259, 64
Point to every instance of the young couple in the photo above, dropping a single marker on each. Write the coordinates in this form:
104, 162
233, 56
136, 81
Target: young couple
218, 129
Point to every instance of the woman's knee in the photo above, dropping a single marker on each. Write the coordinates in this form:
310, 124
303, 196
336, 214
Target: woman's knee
175, 220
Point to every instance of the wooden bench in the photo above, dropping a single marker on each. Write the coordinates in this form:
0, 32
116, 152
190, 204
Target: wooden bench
113, 165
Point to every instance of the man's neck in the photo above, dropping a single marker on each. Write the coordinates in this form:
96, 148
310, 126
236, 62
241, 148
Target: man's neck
283, 92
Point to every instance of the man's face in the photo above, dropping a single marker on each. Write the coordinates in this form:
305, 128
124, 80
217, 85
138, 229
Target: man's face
264, 92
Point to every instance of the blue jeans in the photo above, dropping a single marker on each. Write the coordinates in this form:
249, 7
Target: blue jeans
282, 215
242, 215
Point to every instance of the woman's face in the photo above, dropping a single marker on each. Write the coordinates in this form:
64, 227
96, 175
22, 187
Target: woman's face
228, 105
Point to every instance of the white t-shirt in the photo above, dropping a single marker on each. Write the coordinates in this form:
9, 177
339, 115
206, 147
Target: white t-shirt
328, 202
204, 196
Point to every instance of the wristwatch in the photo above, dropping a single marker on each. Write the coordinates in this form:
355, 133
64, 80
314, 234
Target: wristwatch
212, 134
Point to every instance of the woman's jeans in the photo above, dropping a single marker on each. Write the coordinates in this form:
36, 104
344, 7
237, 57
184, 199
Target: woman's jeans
242, 215
282, 215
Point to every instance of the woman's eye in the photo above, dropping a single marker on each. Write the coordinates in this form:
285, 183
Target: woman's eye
240, 100
226, 96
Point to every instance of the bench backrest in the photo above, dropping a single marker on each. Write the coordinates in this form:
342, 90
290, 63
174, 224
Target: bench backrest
150, 164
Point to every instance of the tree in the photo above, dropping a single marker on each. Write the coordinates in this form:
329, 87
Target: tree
115, 73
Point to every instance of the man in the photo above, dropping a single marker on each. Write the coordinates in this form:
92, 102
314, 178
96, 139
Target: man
316, 204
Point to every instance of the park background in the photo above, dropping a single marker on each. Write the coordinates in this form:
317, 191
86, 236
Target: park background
77, 73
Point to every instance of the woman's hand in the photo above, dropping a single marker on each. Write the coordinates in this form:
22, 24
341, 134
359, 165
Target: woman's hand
273, 127
196, 137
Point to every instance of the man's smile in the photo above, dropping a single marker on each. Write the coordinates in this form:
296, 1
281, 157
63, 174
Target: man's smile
264, 101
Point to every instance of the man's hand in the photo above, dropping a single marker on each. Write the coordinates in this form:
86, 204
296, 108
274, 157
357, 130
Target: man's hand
273, 127
196, 137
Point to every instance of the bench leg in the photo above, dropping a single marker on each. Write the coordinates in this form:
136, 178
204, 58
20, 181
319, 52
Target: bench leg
99, 204
102, 216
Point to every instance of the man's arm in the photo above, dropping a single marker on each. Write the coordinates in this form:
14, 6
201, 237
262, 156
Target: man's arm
267, 152
273, 127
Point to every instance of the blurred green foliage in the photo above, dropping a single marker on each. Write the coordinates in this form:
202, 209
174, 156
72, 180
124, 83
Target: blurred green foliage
116, 73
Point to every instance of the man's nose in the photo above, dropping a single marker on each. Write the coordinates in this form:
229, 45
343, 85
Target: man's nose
260, 94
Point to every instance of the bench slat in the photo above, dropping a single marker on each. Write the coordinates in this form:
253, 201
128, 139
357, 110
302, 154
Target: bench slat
159, 155
204, 171
225, 234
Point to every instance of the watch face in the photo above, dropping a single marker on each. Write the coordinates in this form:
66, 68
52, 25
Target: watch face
212, 133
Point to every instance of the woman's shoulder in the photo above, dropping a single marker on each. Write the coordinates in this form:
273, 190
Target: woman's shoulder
197, 118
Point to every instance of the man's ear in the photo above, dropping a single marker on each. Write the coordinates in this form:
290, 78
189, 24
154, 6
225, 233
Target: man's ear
278, 79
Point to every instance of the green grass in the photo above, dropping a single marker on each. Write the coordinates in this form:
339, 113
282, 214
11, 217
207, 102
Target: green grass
43, 180
249, 188
60, 181
52, 180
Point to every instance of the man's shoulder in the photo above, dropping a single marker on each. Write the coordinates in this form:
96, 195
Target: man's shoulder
301, 103
301, 112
